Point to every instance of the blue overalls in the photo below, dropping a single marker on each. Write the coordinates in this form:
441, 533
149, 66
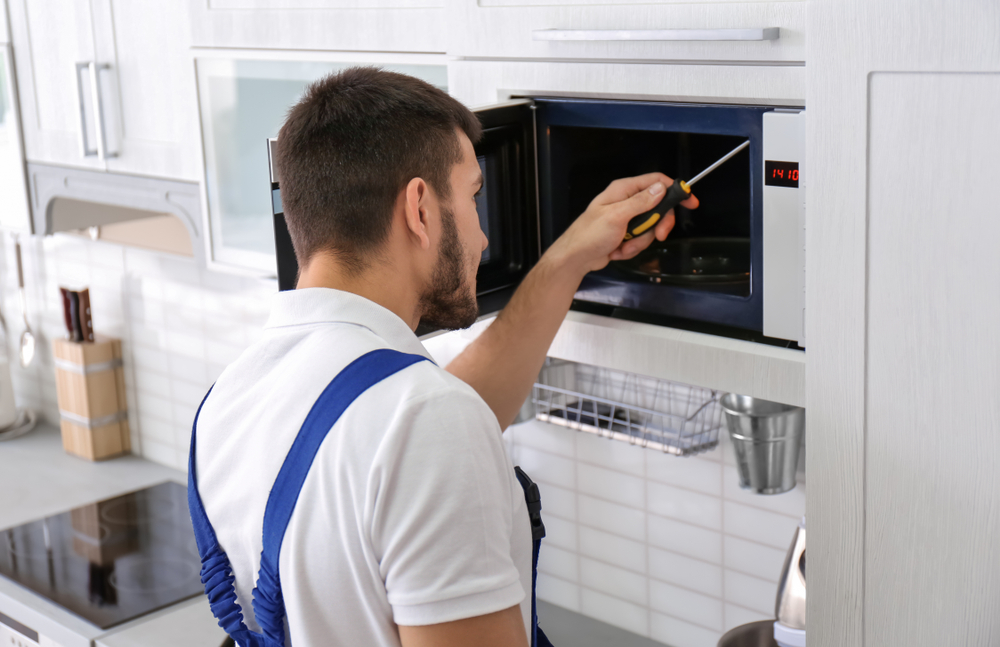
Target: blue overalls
268, 605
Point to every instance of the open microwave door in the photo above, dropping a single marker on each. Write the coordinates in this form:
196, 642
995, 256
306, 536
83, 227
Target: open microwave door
508, 202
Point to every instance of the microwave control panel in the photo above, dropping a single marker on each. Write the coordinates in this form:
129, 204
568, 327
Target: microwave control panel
784, 225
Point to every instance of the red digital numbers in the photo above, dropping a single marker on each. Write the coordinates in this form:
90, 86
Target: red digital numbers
781, 173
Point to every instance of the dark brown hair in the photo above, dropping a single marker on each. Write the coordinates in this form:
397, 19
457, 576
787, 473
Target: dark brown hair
351, 145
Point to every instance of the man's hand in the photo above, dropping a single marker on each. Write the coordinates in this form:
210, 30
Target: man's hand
595, 238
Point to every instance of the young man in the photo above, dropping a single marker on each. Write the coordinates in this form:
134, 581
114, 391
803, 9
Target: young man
410, 527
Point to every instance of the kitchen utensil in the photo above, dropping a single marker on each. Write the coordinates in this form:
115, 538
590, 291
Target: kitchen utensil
85, 323
790, 604
753, 634
682, 261
67, 306
8, 410
75, 334
27, 350
678, 192
766, 437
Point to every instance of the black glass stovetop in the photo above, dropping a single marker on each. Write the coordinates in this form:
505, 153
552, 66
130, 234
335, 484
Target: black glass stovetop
109, 561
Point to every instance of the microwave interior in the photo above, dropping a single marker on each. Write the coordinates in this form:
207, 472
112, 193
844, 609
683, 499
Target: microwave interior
706, 275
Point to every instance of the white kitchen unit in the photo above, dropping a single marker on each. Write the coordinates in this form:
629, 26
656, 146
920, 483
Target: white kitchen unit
244, 97
341, 25
704, 30
16, 214
901, 317
106, 85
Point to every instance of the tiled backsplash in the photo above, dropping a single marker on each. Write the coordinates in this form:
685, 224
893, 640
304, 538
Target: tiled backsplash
665, 547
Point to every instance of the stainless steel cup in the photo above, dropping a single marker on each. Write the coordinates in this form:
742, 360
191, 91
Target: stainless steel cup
766, 437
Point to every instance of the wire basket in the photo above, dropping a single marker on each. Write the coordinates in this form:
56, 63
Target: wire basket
652, 413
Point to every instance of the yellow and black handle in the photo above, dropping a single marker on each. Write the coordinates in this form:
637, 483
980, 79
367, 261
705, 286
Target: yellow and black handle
678, 192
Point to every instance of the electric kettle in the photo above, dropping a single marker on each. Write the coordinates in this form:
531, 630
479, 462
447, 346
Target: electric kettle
790, 605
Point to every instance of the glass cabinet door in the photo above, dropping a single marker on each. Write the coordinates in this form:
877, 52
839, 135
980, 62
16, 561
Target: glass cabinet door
243, 101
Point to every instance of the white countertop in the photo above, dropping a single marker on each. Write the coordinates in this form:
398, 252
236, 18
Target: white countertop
38, 479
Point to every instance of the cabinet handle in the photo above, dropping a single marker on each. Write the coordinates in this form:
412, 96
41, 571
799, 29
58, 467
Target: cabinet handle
763, 33
85, 148
93, 70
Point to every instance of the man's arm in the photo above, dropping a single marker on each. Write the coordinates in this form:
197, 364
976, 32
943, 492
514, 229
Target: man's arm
501, 629
502, 364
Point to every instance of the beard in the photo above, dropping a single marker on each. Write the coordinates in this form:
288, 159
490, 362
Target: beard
449, 302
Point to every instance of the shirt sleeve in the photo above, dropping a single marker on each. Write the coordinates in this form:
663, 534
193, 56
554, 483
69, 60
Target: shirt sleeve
443, 511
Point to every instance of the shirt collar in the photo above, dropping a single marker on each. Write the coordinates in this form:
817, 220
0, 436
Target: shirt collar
326, 305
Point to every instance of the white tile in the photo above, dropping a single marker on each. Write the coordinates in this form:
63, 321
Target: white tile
615, 550
189, 344
613, 580
679, 633
558, 501
154, 406
153, 383
758, 525
622, 614
685, 505
156, 430
142, 335
685, 571
687, 605
726, 444
611, 454
736, 616
149, 359
559, 592
612, 517
690, 473
189, 369
792, 503
558, 562
610, 485
184, 414
750, 592
187, 394
548, 438
753, 558
560, 533
546, 468
685, 539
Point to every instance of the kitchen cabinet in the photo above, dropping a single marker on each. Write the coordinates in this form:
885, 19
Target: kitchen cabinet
108, 76
904, 439
705, 30
344, 25
16, 215
244, 97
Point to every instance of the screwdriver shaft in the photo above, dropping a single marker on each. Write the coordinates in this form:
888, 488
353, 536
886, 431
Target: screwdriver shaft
718, 163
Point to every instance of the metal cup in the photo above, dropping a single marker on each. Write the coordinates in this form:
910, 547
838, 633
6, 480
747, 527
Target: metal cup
766, 437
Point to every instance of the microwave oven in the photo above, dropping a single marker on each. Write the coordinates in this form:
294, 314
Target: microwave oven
735, 266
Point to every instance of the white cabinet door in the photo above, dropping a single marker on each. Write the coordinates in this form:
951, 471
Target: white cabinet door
50, 37
15, 215
344, 25
704, 30
243, 98
151, 114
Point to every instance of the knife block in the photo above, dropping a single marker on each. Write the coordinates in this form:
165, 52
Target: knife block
90, 384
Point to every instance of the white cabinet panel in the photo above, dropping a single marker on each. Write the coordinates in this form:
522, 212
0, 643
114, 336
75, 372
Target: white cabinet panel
244, 98
154, 120
478, 83
933, 430
50, 37
140, 104
15, 215
356, 25
551, 29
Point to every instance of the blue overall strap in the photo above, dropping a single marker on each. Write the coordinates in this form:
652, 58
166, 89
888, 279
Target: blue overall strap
358, 377
216, 572
534, 502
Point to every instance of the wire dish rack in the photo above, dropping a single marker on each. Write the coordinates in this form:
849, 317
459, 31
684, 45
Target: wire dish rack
652, 413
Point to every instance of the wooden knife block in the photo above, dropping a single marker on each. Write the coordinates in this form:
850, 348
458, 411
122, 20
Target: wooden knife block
90, 384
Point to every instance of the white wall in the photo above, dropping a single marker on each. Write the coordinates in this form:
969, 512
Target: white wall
665, 547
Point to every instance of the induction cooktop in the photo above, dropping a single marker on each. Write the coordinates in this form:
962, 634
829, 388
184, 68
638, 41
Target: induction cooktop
110, 561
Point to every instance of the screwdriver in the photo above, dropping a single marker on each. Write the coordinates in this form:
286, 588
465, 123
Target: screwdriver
677, 193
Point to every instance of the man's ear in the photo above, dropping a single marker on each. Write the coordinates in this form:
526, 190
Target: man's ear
415, 199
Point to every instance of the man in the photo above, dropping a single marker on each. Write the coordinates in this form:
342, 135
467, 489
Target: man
410, 527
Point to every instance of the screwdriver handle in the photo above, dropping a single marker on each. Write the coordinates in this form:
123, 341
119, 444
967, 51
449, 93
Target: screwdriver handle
677, 193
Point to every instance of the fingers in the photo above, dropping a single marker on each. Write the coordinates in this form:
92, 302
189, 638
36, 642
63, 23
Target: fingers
691, 203
632, 247
629, 186
665, 226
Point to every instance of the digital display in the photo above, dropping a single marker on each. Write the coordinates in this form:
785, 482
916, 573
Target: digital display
781, 174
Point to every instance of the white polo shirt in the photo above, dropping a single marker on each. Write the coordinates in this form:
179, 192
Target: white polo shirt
411, 513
